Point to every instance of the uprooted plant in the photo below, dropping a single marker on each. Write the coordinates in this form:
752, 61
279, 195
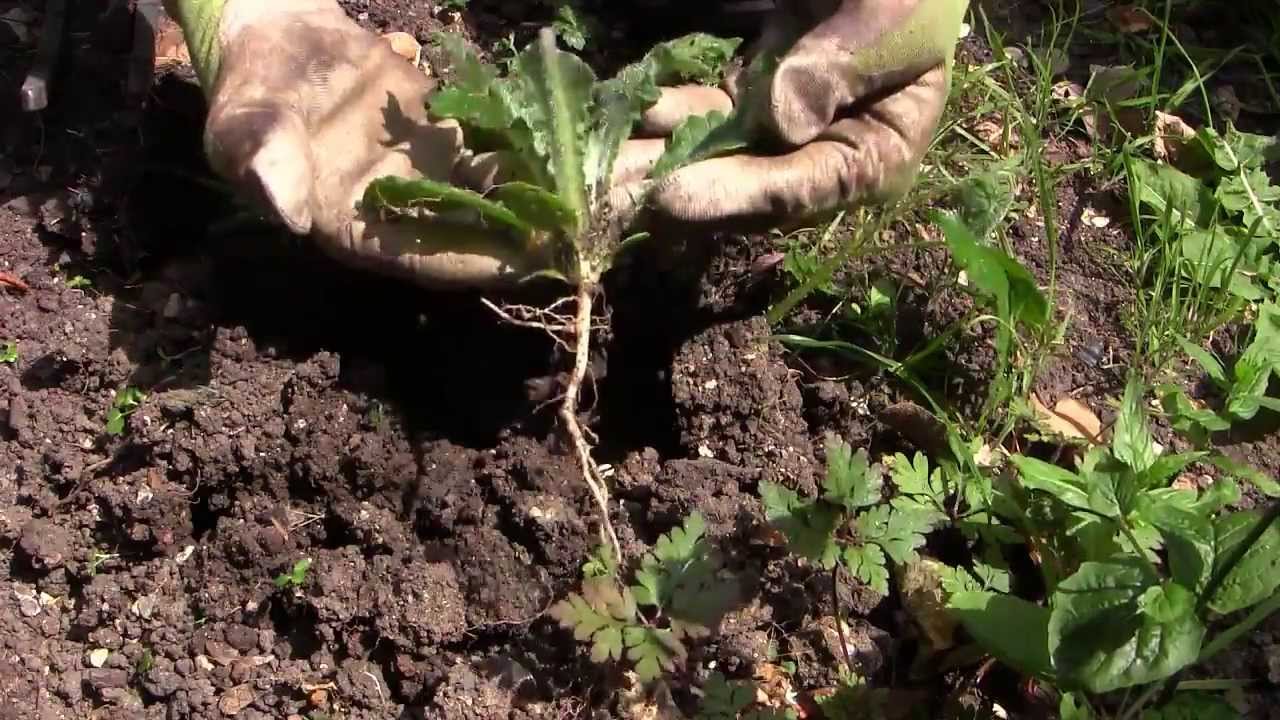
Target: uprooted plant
562, 130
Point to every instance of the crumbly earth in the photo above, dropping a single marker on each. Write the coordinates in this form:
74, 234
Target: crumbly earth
397, 439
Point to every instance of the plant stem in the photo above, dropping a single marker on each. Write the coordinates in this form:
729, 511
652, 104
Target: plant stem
835, 605
569, 416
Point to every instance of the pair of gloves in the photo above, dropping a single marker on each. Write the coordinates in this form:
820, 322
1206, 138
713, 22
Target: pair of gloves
306, 108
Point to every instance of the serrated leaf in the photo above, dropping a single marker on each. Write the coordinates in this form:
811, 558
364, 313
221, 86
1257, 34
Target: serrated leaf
600, 615
691, 141
403, 195
809, 526
1101, 639
850, 480
1132, 442
722, 700
1257, 576
552, 92
1012, 629
679, 578
698, 58
652, 650
898, 528
867, 563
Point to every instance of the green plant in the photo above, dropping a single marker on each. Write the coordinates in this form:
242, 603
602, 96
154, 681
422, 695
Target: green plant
849, 525
78, 281
562, 129
9, 353
1140, 570
676, 597
98, 559
734, 700
296, 576
1244, 388
125, 403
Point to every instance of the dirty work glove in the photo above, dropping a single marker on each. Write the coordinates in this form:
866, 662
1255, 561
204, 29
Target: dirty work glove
305, 108
845, 118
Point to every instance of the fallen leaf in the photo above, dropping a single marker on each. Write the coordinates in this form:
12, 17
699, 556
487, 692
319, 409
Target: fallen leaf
1069, 418
13, 281
1130, 18
236, 699
1172, 134
405, 45
917, 425
98, 657
920, 586
1093, 218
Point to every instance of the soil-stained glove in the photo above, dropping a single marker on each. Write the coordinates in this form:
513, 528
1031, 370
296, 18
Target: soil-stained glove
846, 117
305, 108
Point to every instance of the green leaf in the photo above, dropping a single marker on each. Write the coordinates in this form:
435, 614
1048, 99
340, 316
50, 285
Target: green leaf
850, 481
1188, 537
653, 651
1212, 367
1107, 632
1252, 372
1008, 627
1260, 480
1187, 418
571, 26
808, 526
1064, 485
679, 578
899, 528
1167, 603
1171, 192
696, 58
552, 92
1132, 442
1010, 286
1074, 706
9, 353
536, 206
1257, 576
685, 140
599, 616
722, 700
403, 195
1167, 467
867, 563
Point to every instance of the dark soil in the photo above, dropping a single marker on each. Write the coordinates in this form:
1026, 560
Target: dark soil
297, 409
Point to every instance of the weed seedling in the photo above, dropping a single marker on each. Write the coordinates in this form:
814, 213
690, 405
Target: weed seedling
78, 281
562, 129
124, 404
676, 597
9, 353
296, 576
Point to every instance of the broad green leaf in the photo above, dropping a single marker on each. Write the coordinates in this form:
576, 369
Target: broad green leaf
552, 92
1212, 367
1011, 287
850, 481
1132, 442
536, 206
1189, 419
1171, 192
809, 526
403, 195
1008, 627
867, 563
1167, 467
1074, 706
1107, 632
1257, 576
1252, 372
1210, 254
1111, 483
685, 140
1193, 706
1188, 537
1064, 485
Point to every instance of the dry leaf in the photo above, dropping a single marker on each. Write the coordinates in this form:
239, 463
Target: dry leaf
236, 699
405, 45
1130, 18
13, 281
1069, 418
1172, 134
920, 586
170, 45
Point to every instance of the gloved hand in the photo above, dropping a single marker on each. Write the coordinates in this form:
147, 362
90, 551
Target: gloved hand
845, 118
305, 108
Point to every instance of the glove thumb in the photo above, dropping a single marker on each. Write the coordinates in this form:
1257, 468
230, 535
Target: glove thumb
267, 150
